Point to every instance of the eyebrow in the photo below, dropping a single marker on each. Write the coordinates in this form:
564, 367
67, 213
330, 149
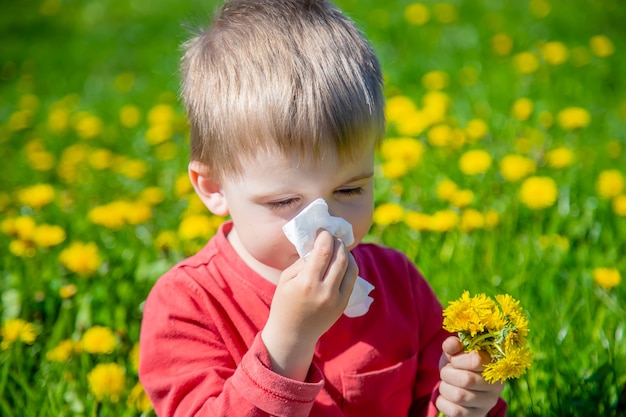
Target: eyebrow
360, 177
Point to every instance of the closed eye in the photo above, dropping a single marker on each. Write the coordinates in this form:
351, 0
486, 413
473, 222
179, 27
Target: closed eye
282, 204
350, 192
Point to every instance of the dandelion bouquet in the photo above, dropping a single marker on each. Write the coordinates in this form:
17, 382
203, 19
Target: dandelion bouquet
496, 327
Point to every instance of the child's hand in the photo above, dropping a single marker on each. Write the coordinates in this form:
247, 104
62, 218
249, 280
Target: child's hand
310, 296
463, 390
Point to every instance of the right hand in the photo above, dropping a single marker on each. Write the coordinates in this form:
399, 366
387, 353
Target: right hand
310, 296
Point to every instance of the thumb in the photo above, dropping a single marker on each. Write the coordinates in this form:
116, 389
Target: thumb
451, 346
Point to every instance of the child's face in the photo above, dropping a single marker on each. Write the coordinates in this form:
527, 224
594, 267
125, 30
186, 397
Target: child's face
274, 188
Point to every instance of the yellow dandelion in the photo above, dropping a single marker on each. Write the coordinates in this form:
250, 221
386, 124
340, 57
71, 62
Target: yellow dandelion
138, 399
22, 227
540, 8
525, 62
152, 195
513, 365
559, 157
601, 46
388, 213
101, 159
112, 215
435, 106
36, 196
416, 220
462, 198
61, 352
573, 118
554, 53
538, 192
134, 357
435, 80
129, 116
138, 213
619, 205
439, 136
408, 150
472, 315
87, 125
17, 329
107, 381
161, 114
99, 340
501, 44
81, 258
446, 188
610, 183
516, 167
58, 119
475, 162
68, 291
394, 168
416, 14
492, 219
514, 313
130, 168
166, 240
398, 108
413, 124
522, 109
47, 235
476, 130
196, 226
443, 221
607, 278
471, 220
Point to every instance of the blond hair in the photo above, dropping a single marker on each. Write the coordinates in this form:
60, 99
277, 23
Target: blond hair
291, 75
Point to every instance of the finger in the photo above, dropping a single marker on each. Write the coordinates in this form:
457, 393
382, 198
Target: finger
451, 346
465, 379
461, 396
292, 270
471, 361
338, 265
321, 255
350, 276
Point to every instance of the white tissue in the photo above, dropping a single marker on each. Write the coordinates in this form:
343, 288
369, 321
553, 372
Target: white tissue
301, 232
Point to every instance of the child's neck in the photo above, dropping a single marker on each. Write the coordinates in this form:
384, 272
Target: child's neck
269, 273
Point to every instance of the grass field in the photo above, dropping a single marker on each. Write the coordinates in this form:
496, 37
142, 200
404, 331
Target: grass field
504, 171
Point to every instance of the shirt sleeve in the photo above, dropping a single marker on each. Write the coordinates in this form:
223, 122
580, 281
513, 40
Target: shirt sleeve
186, 368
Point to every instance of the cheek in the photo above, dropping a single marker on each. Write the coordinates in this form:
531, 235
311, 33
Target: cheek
361, 221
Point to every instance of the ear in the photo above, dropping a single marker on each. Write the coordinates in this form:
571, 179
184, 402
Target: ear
208, 188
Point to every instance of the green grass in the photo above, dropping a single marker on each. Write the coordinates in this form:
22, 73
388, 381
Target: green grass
78, 56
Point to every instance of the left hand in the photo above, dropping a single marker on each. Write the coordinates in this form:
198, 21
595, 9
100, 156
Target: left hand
463, 390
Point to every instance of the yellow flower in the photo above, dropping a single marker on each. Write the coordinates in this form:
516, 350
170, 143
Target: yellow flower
501, 44
462, 198
525, 62
476, 129
416, 14
196, 226
58, 119
61, 352
406, 149
101, 159
138, 399
554, 53
559, 157
68, 291
161, 114
471, 219
573, 118
436, 105
130, 168
152, 195
515, 167
435, 80
130, 116
522, 109
98, 339
47, 235
36, 196
601, 46
138, 213
87, 125
445, 12
492, 219
443, 221
497, 329
413, 124
475, 162
446, 189
416, 221
540, 8
106, 381
166, 240
610, 183
439, 136
159, 133
81, 258
134, 357
607, 278
22, 227
394, 169
513, 365
388, 213
619, 205
538, 192
398, 108
17, 329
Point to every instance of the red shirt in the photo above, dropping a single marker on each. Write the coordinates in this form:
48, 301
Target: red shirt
201, 351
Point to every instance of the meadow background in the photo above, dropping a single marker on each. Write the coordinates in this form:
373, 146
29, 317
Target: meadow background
503, 172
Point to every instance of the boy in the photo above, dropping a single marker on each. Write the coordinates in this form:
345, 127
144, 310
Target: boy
285, 104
